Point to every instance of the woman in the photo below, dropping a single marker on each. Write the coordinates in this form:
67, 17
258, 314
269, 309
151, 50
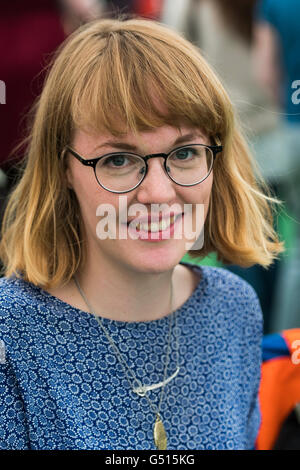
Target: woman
110, 342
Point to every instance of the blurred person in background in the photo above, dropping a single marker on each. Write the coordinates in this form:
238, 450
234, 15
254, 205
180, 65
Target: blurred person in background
146, 8
29, 33
77, 12
223, 29
149, 8
277, 60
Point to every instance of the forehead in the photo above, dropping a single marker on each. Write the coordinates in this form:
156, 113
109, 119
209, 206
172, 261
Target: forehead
164, 136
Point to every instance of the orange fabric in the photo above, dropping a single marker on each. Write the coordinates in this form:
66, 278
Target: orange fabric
279, 391
290, 336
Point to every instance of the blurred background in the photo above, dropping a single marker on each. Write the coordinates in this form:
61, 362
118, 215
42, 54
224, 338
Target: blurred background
253, 46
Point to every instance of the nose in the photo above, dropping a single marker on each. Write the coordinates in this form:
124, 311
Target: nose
156, 187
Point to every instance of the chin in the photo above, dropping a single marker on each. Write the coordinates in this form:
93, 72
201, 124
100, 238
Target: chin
158, 261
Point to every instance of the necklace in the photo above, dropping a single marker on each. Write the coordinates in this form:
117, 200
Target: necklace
159, 432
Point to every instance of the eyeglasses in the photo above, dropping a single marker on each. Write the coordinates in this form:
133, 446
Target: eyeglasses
122, 172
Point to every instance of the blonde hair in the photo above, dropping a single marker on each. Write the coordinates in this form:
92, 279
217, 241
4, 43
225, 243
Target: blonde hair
101, 79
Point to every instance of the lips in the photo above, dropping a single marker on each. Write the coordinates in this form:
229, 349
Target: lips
161, 226
150, 219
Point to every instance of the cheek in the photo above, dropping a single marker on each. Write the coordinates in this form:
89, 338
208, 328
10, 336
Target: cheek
84, 184
88, 194
199, 194
206, 188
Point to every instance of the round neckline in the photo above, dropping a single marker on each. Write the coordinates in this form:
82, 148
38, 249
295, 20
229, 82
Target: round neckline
58, 302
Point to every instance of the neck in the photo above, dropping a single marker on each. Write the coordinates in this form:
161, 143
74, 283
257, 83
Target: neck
120, 293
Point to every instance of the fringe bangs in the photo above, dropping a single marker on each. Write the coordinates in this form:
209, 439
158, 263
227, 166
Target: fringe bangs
135, 85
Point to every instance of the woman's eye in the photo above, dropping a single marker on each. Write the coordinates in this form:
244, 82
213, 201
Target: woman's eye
115, 161
184, 154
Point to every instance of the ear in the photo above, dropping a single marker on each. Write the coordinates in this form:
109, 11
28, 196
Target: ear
69, 178
66, 168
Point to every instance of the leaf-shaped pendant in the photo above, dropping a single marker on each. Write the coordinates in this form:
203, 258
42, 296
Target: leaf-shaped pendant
159, 434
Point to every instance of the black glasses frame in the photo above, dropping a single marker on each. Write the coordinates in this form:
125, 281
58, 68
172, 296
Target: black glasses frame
215, 149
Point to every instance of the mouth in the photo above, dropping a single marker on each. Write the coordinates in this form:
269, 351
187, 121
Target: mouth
156, 231
155, 227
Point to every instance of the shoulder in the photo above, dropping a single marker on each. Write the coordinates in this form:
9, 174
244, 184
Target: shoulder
10, 289
228, 296
238, 303
17, 298
24, 317
223, 277
238, 313
13, 289
221, 282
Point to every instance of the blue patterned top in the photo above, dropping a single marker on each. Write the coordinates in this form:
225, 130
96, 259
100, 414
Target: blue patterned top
61, 386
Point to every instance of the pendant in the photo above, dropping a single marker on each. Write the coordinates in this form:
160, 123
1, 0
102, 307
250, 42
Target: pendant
159, 434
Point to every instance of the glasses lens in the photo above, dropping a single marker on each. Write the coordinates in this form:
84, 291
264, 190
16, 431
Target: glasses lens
190, 164
120, 172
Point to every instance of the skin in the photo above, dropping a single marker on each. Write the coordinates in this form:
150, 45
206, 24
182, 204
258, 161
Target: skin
136, 274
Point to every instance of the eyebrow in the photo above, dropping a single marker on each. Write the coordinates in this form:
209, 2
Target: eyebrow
126, 146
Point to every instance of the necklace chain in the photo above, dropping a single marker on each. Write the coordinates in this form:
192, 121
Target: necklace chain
141, 390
